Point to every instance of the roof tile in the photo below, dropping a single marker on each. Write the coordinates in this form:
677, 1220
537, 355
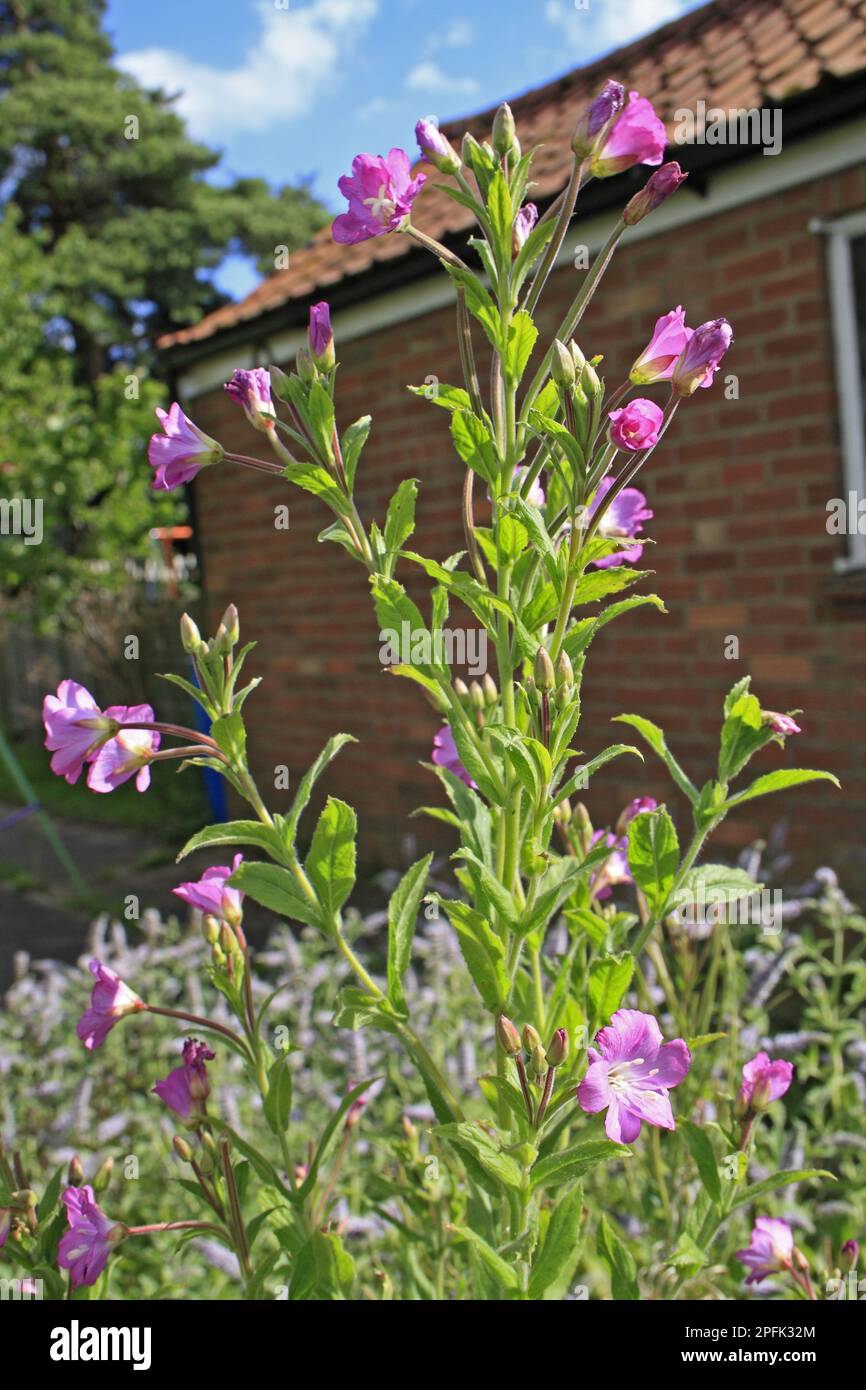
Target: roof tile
734, 53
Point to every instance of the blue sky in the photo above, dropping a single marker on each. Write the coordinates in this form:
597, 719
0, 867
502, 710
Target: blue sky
288, 88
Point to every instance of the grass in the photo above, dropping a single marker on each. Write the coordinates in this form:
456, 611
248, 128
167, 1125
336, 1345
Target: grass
172, 809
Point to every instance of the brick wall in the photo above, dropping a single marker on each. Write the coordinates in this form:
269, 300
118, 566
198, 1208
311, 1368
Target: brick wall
739, 490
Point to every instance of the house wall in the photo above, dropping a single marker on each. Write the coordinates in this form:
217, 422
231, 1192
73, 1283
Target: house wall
739, 489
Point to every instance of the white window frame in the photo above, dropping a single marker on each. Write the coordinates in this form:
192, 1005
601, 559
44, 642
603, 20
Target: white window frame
852, 417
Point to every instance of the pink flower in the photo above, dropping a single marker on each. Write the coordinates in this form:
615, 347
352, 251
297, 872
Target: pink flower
181, 451
252, 390
523, 225
656, 362
128, 754
380, 194
75, 728
657, 188
436, 149
211, 893
110, 1001
780, 723
636, 426
84, 1249
186, 1089
699, 360
770, 1249
637, 136
321, 336
614, 869
634, 808
445, 755
632, 1074
763, 1082
5, 1225
624, 518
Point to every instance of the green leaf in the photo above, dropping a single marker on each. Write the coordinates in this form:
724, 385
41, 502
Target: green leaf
278, 890
448, 397
619, 1260
351, 445
235, 832
501, 215
330, 864
479, 302
321, 409
700, 1147
505, 1275
609, 978
567, 1164
289, 824
655, 738
278, 1101
513, 537
315, 479
743, 733
231, 736
402, 916
474, 445
471, 1138
767, 1185
482, 950
558, 1254
578, 638
400, 521
522, 335
394, 608
330, 1134
653, 855
780, 781
496, 894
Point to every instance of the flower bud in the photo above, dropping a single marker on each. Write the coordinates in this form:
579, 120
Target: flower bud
531, 1038
589, 380
102, 1176
700, 358
577, 356
545, 677
595, 121
849, 1254
321, 336
231, 623
305, 366
538, 1062
581, 816
558, 1050
75, 1172
523, 225
507, 1036
476, 695
562, 812
658, 186
461, 690
504, 130
190, 637
562, 365
491, 694
436, 149
564, 670
210, 929
227, 939
182, 1149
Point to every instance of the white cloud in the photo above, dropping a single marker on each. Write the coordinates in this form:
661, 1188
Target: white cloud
293, 56
600, 25
429, 77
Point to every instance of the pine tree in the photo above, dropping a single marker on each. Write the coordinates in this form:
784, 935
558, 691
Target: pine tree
110, 229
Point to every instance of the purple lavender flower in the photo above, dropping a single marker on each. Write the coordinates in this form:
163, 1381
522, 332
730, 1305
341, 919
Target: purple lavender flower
86, 1246
186, 1089
445, 755
110, 1001
764, 1081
